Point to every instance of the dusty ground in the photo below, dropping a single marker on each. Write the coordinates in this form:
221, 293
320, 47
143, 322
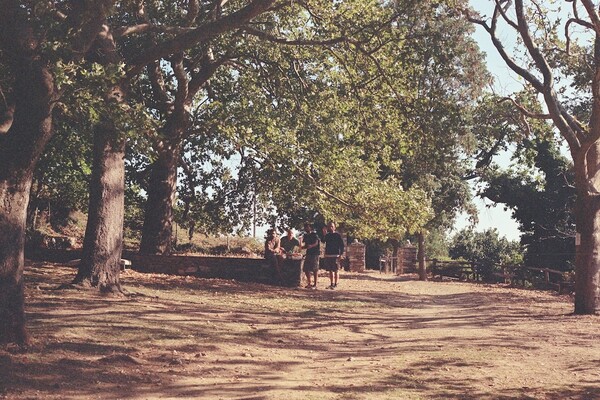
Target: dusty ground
375, 337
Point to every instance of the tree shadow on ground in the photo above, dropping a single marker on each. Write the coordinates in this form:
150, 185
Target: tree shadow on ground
187, 321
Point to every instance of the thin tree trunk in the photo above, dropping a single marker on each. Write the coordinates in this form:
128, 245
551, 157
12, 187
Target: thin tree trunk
421, 257
158, 216
395, 259
103, 244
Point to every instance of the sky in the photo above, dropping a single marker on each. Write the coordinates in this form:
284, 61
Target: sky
490, 215
506, 82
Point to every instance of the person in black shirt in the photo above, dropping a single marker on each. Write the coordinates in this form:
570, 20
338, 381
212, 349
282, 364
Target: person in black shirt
334, 248
310, 242
289, 242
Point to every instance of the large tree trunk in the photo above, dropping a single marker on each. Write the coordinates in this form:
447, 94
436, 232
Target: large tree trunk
100, 265
587, 259
103, 244
158, 217
14, 197
587, 216
421, 257
20, 149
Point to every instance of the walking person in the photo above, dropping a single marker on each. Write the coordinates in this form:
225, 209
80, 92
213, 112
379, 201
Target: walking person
312, 244
334, 248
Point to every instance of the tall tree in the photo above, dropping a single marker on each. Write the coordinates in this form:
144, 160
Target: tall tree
25, 34
545, 180
549, 65
177, 81
444, 76
103, 243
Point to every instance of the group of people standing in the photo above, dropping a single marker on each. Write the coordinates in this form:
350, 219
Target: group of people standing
334, 248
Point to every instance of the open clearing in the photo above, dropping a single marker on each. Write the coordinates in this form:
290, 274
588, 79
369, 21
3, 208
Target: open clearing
375, 337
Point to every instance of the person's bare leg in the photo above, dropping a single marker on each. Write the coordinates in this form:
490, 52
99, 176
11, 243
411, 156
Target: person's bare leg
307, 273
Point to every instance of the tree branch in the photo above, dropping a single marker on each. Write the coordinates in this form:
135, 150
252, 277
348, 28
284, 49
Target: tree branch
197, 35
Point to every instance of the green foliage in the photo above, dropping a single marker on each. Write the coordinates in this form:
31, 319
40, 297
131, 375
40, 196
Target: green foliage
347, 134
548, 227
538, 175
487, 249
366, 130
438, 245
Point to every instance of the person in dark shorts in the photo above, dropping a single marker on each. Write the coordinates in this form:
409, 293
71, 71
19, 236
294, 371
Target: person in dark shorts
310, 242
334, 248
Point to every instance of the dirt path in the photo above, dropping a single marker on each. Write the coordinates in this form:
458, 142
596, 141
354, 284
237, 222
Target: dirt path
375, 337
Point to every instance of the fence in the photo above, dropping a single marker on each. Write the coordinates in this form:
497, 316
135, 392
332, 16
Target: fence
516, 275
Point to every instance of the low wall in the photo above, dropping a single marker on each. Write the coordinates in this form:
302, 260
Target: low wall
238, 268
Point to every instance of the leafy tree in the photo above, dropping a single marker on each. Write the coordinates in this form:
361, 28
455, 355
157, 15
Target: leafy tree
103, 241
34, 40
446, 73
436, 83
564, 72
486, 249
177, 83
60, 180
548, 228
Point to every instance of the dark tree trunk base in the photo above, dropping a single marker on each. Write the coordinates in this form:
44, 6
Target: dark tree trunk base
86, 285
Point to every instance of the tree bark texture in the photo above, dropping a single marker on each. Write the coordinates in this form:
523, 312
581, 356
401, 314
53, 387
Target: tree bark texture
20, 149
587, 258
421, 257
158, 216
103, 244
13, 203
587, 213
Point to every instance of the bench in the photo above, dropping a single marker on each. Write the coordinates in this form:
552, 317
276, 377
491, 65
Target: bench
458, 270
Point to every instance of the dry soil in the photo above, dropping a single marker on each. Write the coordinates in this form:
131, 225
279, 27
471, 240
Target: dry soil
376, 336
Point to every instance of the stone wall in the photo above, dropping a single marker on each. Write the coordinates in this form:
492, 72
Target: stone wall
238, 268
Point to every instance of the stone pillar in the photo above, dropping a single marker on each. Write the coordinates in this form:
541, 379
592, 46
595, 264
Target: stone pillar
356, 257
407, 258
